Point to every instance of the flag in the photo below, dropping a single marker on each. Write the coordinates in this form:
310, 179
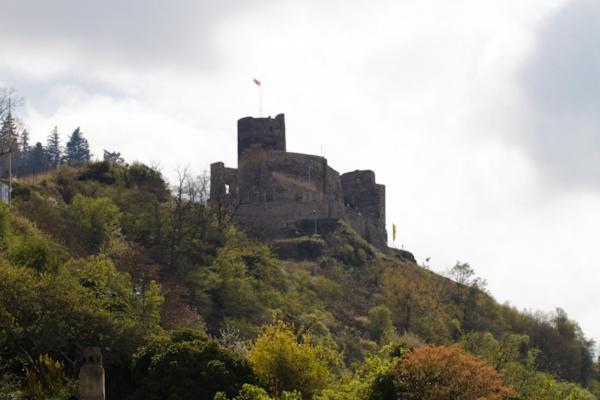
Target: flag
256, 81
394, 232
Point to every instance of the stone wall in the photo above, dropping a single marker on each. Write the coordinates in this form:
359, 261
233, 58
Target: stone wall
364, 200
223, 184
280, 188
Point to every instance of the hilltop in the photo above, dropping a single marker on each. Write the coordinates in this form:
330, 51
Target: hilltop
112, 255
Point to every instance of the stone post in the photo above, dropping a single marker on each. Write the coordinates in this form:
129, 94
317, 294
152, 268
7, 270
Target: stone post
91, 375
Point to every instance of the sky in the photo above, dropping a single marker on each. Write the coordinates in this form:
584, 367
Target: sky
479, 116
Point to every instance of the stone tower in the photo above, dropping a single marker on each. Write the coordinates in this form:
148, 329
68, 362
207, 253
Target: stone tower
268, 133
91, 375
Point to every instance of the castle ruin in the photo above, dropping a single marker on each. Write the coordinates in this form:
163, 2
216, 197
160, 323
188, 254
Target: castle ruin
275, 192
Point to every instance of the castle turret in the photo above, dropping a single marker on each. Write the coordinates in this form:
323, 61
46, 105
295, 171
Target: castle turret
268, 133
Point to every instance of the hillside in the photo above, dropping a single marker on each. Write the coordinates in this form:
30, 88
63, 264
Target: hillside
111, 255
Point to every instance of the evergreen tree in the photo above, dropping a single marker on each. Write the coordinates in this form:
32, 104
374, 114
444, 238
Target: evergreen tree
8, 134
53, 148
78, 149
38, 159
24, 142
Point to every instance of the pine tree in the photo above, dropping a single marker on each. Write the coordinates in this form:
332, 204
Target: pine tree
24, 142
38, 159
78, 149
53, 148
8, 134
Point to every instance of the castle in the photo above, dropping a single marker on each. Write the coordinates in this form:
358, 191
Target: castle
281, 194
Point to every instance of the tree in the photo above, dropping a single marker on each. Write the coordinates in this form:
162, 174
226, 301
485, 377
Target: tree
117, 293
252, 392
9, 100
24, 142
380, 323
38, 159
513, 355
97, 217
9, 138
188, 366
442, 372
284, 361
53, 148
78, 149
46, 314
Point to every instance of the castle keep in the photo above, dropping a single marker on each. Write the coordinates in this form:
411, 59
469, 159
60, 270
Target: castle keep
276, 193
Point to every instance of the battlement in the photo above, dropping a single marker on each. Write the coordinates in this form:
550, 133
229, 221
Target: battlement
273, 191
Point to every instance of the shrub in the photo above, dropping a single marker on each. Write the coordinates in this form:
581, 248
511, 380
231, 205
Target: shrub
447, 372
284, 361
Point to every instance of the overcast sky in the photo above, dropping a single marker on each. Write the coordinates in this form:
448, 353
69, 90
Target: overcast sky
480, 116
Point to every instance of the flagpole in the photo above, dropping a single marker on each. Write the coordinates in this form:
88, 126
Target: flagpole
260, 96
260, 99
258, 83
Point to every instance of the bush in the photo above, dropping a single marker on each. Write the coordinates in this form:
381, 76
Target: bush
188, 366
35, 252
442, 372
284, 362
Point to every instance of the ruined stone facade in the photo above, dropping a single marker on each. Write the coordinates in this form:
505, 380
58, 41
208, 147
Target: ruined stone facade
274, 191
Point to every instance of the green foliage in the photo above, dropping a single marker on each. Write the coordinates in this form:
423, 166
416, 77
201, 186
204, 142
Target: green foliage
78, 149
252, 392
518, 361
125, 229
23, 244
244, 283
35, 252
58, 314
4, 226
380, 323
99, 217
371, 380
114, 291
101, 171
348, 246
53, 147
284, 361
185, 366
46, 314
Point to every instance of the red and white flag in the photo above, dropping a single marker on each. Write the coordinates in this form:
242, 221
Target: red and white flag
256, 81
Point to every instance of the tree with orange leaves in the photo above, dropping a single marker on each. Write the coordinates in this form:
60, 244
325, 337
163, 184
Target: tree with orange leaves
447, 372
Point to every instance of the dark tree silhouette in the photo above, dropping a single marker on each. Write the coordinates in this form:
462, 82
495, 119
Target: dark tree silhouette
78, 149
53, 148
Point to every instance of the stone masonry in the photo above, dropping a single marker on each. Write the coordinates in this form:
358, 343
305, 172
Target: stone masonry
91, 375
274, 191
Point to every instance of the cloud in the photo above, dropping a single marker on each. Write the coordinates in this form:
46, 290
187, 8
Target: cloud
135, 33
561, 86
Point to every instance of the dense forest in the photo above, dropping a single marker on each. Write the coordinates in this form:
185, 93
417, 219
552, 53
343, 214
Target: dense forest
186, 306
